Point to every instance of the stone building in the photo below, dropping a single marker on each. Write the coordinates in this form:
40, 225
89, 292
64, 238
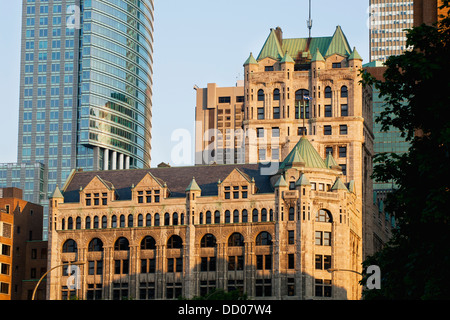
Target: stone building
183, 231
296, 87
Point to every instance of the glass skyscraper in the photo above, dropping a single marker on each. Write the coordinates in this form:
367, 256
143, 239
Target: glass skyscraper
86, 86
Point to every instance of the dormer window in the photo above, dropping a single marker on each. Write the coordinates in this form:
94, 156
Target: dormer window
140, 197
88, 199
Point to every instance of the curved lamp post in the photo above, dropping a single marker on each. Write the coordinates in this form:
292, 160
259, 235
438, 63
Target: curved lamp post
45, 274
347, 270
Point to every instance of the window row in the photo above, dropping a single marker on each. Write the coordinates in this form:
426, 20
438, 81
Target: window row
147, 290
303, 94
174, 219
236, 239
236, 217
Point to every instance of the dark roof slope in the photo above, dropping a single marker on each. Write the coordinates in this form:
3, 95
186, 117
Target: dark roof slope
176, 178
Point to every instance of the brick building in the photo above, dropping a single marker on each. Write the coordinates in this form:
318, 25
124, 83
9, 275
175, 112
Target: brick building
23, 253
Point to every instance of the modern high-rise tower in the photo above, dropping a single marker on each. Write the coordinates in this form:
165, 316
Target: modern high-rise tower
388, 21
86, 86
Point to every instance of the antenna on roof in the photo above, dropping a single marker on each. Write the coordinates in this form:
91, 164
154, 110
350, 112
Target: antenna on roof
309, 22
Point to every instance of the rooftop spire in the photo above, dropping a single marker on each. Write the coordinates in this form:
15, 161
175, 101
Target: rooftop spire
309, 22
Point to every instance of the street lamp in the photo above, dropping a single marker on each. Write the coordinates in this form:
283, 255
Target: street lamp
58, 266
347, 270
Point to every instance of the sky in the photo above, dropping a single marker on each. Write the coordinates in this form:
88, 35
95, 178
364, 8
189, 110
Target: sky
195, 43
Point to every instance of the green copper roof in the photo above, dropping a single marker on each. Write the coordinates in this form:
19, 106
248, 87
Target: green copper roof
351, 186
281, 182
339, 185
298, 47
303, 152
355, 55
287, 58
272, 48
303, 181
57, 193
329, 161
251, 60
339, 44
193, 186
317, 56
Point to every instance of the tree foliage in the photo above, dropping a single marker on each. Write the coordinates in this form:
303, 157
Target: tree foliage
415, 264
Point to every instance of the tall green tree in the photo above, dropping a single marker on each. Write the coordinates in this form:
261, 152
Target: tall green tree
415, 264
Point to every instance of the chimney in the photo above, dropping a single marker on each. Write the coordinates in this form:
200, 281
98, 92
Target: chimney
279, 34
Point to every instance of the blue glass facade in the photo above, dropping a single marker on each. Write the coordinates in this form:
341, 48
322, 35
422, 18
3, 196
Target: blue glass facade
385, 141
115, 83
86, 86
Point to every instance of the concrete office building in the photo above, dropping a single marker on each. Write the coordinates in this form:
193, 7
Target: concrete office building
388, 21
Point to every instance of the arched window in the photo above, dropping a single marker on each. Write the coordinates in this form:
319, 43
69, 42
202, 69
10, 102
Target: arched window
70, 223
148, 219
182, 219
227, 216
113, 221
69, 246
271, 214
63, 224
95, 222
148, 243
328, 93
104, 222
208, 217
255, 215
157, 219
130, 221
302, 104
87, 223
166, 219
260, 95
291, 214
122, 221
175, 242
201, 218
264, 239
140, 220
324, 216
95, 245
78, 223
276, 94
175, 219
264, 215
344, 92
235, 216
217, 216
122, 244
244, 215
208, 241
236, 240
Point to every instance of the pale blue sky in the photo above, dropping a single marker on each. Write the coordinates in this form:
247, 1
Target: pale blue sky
195, 42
